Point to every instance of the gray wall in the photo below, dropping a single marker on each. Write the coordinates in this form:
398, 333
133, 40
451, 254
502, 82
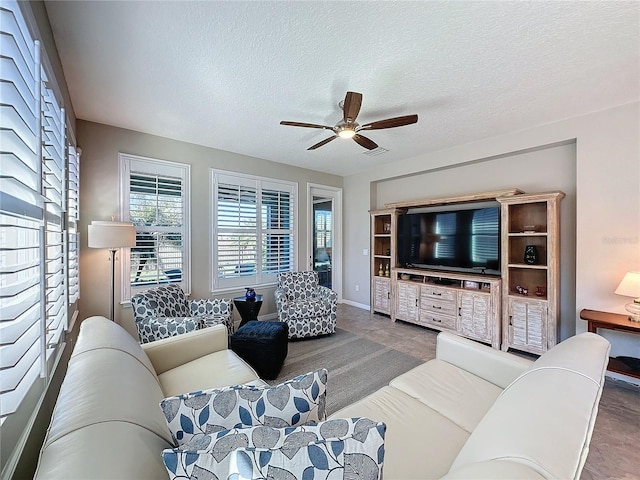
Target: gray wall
544, 169
99, 200
607, 204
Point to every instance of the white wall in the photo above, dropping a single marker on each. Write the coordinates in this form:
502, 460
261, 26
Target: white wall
607, 204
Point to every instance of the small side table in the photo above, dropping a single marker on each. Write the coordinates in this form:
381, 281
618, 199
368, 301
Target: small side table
612, 321
248, 309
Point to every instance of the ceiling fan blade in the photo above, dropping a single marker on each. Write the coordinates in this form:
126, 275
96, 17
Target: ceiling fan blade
323, 142
306, 125
365, 142
351, 106
390, 123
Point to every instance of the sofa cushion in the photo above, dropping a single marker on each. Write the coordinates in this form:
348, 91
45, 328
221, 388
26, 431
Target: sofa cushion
106, 334
119, 388
107, 451
339, 448
291, 403
216, 370
452, 392
420, 443
557, 398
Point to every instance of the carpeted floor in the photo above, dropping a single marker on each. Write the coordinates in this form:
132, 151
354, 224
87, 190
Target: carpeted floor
357, 366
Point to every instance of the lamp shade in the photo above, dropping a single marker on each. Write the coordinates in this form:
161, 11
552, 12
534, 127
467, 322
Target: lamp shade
111, 234
630, 285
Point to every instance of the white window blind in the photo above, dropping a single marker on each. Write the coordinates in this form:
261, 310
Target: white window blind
54, 190
33, 286
73, 217
254, 229
156, 201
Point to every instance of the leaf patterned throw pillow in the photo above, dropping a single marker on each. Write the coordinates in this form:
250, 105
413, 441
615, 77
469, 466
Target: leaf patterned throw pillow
295, 402
350, 449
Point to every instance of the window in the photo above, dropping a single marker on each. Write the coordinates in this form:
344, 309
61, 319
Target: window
156, 200
254, 229
35, 270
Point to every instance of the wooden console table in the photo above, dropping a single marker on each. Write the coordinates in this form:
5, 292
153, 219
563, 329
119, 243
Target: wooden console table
612, 321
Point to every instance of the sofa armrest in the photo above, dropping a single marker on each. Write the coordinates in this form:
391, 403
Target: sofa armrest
495, 366
327, 294
498, 469
172, 352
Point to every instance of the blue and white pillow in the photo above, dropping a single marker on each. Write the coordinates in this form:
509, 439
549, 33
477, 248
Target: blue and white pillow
296, 402
336, 449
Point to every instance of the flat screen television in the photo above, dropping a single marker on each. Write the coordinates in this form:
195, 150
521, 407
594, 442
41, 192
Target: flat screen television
453, 239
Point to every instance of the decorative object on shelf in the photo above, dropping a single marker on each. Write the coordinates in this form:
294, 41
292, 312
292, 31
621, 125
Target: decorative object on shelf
530, 229
541, 291
522, 290
471, 285
405, 276
387, 227
388, 251
250, 294
386, 271
630, 287
112, 236
381, 271
530, 255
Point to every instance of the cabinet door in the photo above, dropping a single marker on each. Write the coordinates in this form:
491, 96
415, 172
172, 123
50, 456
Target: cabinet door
474, 312
382, 295
528, 324
407, 301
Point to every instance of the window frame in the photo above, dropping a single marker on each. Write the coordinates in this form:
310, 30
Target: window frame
259, 279
153, 166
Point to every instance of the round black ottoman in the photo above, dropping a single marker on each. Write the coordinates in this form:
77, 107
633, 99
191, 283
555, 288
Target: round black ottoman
263, 345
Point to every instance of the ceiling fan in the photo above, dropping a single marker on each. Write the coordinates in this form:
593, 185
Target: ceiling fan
349, 128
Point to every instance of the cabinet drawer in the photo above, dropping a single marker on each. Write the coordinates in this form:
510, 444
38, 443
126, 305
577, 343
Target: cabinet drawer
443, 294
438, 320
431, 305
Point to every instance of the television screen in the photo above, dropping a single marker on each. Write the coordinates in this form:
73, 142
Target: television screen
466, 240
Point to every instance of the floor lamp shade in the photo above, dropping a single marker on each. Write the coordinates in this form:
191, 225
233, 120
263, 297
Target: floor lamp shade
111, 236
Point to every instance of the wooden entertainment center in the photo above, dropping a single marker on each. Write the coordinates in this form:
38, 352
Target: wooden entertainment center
517, 309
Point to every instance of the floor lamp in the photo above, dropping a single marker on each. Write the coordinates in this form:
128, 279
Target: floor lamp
112, 236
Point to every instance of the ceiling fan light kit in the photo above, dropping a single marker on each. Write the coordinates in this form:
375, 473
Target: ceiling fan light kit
349, 128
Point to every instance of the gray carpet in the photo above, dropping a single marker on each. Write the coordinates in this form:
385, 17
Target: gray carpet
357, 366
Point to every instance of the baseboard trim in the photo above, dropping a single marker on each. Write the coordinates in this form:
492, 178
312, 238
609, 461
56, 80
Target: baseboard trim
356, 304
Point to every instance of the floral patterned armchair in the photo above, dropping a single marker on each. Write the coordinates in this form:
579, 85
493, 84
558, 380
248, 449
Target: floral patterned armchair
164, 311
308, 308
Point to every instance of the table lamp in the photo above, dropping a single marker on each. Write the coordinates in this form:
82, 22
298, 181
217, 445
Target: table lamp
112, 236
630, 287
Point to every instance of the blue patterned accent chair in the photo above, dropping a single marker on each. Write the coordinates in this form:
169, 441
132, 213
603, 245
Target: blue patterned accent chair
164, 311
307, 308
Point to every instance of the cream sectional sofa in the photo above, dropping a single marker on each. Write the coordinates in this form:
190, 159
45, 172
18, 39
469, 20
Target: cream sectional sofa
471, 413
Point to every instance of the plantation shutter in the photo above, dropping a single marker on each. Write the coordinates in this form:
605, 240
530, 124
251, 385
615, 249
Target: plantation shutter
237, 237
254, 233
21, 214
156, 211
156, 201
54, 183
73, 217
277, 231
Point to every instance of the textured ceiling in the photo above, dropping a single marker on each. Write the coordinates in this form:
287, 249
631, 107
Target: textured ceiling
223, 74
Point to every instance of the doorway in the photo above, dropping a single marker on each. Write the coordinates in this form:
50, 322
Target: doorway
324, 235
